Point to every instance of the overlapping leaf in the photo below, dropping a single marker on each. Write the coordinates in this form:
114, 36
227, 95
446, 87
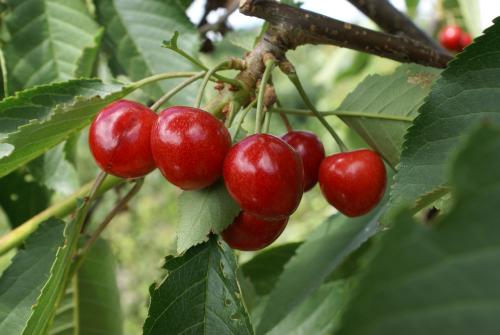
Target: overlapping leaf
134, 34
324, 250
443, 278
200, 295
466, 93
48, 38
393, 101
203, 211
37, 119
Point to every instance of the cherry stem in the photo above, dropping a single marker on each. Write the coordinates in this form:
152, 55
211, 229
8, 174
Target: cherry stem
267, 121
242, 118
161, 76
294, 78
283, 116
119, 206
18, 235
270, 64
176, 90
221, 66
199, 64
234, 107
306, 112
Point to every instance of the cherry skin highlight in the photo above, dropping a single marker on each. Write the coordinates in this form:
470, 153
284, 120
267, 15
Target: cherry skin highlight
189, 146
465, 40
353, 182
450, 37
265, 176
249, 233
312, 152
119, 139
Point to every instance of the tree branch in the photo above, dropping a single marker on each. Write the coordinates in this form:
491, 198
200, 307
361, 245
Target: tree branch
392, 21
298, 27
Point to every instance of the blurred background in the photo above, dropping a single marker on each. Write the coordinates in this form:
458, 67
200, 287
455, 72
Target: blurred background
145, 233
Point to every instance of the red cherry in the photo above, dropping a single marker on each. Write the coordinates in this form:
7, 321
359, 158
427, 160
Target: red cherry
465, 40
353, 182
249, 233
265, 176
189, 146
119, 139
312, 152
450, 36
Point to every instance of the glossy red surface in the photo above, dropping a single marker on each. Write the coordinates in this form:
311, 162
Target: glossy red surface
465, 40
189, 146
119, 139
265, 176
312, 152
450, 36
249, 233
353, 182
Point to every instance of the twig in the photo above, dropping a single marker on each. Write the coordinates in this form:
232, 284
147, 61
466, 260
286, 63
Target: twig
297, 27
391, 20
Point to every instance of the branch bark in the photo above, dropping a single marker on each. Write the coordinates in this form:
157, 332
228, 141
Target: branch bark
392, 21
297, 27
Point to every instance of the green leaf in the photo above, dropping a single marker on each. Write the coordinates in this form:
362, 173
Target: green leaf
319, 314
50, 114
87, 64
200, 212
264, 269
393, 101
467, 92
200, 294
324, 250
47, 40
440, 278
21, 197
91, 305
134, 34
22, 283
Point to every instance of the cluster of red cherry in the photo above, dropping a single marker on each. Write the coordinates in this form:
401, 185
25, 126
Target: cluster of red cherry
454, 38
265, 175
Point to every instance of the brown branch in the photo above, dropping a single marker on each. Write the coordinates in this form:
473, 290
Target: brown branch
392, 21
297, 27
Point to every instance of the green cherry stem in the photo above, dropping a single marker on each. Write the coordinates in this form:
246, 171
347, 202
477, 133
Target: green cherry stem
267, 121
241, 117
306, 112
176, 90
270, 64
294, 78
234, 107
161, 76
221, 66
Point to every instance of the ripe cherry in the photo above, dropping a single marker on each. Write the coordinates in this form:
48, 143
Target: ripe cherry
465, 40
189, 146
249, 233
450, 36
312, 152
353, 182
119, 139
265, 176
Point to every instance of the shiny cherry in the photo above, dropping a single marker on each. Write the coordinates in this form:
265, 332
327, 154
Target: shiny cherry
249, 233
312, 152
265, 176
119, 139
465, 40
353, 182
450, 36
189, 146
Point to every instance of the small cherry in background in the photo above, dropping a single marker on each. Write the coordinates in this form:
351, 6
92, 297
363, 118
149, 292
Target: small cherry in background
119, 139
264, 175
189, 146
353, 182
465, 40
450, 37
312, 152
249, 233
